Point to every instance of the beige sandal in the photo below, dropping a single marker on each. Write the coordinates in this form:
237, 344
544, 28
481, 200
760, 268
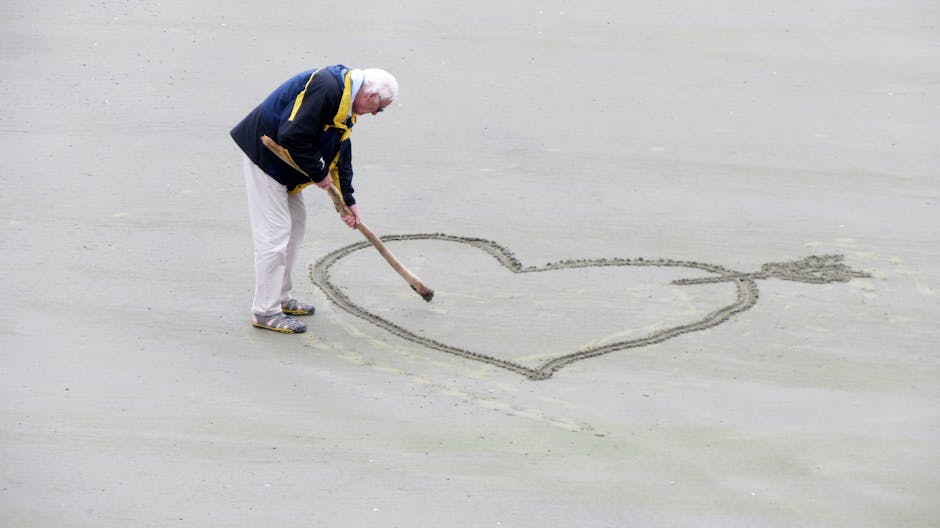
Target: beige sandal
295, 307
279, 322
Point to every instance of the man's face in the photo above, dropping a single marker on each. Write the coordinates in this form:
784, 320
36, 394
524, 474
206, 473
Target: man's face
368, 103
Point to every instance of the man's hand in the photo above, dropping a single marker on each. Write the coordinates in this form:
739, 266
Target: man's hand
354, 219
325, 182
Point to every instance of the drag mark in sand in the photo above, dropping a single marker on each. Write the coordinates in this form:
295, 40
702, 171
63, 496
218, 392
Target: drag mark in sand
816, 269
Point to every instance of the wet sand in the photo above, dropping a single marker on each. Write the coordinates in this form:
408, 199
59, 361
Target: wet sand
610, 344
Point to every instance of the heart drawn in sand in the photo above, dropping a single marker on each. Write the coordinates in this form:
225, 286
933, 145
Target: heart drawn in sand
812, 269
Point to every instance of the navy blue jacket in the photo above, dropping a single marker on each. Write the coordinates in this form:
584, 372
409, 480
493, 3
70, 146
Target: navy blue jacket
308, 116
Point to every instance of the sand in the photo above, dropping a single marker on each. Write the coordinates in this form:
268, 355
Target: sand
637, 321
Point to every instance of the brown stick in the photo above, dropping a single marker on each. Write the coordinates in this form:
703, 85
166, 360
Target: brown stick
426, 293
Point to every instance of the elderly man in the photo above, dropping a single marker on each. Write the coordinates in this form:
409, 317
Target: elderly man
311, 116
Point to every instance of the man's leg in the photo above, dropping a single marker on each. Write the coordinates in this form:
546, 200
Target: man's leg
298, 222
270, 217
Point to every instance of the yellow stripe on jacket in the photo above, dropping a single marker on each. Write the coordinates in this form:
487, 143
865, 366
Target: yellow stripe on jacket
300, 97
339, 121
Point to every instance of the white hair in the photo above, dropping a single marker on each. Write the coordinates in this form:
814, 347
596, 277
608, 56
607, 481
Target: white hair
381, 82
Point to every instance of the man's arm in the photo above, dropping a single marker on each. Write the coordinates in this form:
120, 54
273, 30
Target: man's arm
345, 173
318, 104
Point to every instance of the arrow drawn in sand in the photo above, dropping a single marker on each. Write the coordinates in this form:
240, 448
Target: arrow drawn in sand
814, 269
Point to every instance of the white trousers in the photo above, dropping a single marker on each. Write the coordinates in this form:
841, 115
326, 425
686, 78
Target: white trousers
277, 229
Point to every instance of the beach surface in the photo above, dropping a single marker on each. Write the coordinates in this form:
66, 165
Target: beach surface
613, 201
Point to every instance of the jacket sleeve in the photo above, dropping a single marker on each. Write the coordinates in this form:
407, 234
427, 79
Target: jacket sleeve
344, 167
298, 132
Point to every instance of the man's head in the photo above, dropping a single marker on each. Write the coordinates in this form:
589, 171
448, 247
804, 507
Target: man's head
379, 88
